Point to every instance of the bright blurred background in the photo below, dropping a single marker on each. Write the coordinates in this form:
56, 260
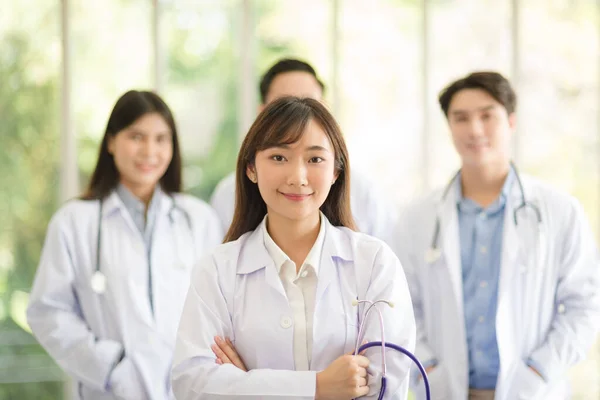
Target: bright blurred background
63, 64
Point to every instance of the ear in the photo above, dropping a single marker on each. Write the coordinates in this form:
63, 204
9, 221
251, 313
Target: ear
512, 121
110, 145
336, 174
251, 173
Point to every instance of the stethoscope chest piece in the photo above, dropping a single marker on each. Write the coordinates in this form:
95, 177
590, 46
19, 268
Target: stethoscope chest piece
98, 282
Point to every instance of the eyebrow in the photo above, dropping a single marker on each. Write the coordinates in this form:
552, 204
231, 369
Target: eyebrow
309, 148
486, 108
140, 132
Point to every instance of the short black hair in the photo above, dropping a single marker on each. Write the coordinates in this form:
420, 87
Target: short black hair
282, 66
491, 82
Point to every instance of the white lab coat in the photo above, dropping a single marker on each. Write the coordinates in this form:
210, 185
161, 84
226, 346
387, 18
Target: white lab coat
84, 331
372, 213
548, 311
237, 293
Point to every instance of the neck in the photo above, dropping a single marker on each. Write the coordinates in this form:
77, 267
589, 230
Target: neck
295, 238
142, 192
483, 184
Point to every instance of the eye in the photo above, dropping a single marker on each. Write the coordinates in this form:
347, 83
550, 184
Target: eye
316, 160
162, 139
136, 136
277, 158
485, 117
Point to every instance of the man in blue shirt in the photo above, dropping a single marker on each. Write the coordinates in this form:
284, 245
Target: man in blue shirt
503, 270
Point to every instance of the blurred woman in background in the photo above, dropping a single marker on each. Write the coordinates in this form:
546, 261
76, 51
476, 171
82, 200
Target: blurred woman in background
116, 263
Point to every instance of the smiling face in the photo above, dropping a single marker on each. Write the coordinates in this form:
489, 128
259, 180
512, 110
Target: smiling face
142, 152
481, 128
294, 180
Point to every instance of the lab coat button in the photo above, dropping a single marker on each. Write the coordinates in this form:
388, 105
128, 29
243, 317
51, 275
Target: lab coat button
286, 322
304, 273
561, 308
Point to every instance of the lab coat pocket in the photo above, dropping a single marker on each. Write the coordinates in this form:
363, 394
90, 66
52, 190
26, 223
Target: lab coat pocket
439, 384
125, 382
529, 385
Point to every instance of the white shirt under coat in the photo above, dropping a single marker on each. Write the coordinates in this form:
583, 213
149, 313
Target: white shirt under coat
300, 288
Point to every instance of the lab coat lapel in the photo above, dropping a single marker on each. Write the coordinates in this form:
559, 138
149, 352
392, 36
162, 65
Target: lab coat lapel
451, 249
256, 256
334, 246
451, 254
112, 205
332, 312
511, 246
166, 205
511, 264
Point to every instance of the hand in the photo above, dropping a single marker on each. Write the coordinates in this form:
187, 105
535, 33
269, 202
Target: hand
345, 378
226, 353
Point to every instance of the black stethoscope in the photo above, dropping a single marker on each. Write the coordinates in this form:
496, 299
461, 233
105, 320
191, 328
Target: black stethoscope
434, 252
98, 280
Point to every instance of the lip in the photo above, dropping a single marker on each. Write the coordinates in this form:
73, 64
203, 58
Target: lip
296, 196
478, 146
145, 167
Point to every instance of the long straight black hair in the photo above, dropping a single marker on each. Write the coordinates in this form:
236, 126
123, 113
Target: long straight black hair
129, 108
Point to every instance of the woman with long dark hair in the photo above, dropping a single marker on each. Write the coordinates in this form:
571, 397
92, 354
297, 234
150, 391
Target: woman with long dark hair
270, 313
116, 263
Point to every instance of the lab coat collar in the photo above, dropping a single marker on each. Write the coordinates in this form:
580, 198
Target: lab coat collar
113, 203
335, 245
135, 204
279, 257
469, 206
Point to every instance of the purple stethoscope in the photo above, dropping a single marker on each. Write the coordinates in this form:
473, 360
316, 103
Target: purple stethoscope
383, 344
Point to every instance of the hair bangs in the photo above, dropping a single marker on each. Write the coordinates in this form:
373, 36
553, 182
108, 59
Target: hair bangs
285, 128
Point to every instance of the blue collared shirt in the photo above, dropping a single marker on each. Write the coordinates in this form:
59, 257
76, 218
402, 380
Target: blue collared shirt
137, 210
144, 221
480, 252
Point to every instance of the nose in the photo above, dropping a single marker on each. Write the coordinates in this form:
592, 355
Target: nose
148, 148
476, 127
297, 174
